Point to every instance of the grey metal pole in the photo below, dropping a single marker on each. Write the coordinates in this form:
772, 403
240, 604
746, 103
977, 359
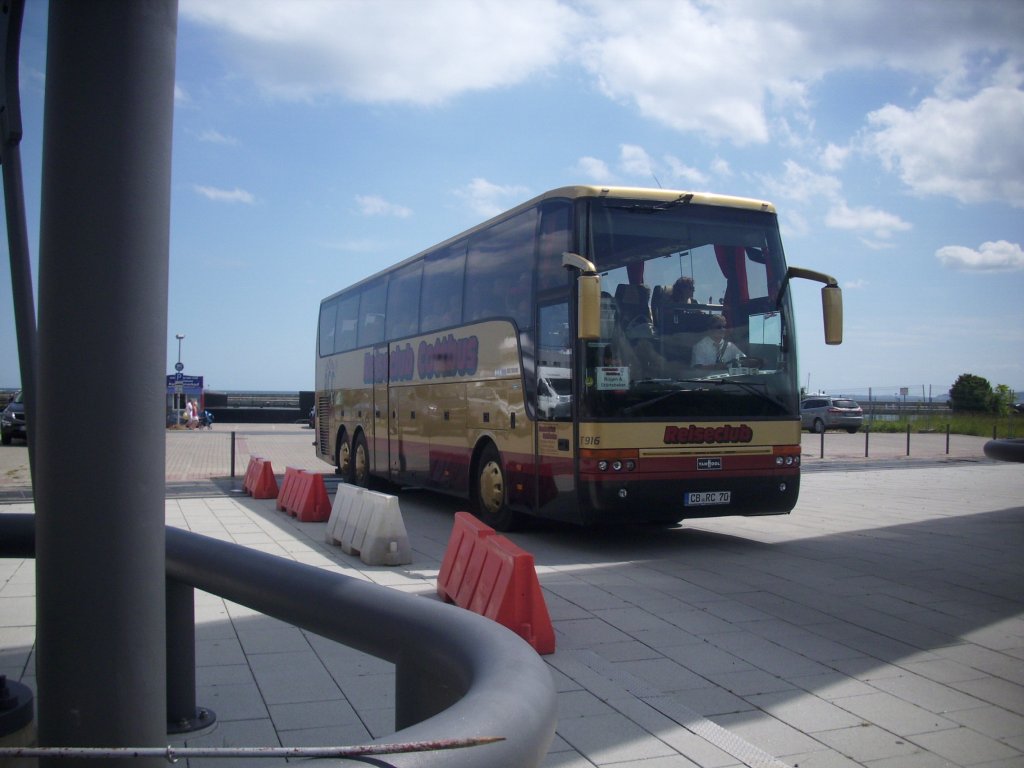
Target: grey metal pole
105, 217
11, 16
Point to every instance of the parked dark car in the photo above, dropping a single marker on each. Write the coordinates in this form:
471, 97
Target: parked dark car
821, 412
12, 421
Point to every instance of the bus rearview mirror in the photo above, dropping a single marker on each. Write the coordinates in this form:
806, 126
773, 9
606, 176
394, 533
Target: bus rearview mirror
589, 306
832, 311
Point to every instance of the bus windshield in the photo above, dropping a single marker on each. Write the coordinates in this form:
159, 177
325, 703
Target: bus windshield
695, 323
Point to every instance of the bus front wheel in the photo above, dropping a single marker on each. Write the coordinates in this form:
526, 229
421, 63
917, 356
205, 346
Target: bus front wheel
359, 472
490, 492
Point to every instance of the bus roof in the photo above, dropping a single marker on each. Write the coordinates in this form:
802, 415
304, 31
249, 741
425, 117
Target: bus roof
582, 191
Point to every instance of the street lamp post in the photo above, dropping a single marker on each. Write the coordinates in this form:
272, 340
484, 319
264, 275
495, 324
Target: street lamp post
178, 367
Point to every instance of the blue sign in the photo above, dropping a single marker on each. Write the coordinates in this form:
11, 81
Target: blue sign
186, 382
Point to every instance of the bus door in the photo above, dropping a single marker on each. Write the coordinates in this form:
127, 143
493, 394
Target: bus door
378, 438
554, 467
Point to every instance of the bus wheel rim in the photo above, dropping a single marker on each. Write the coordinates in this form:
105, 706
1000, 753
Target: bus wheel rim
360, 464
344, 458
492, 487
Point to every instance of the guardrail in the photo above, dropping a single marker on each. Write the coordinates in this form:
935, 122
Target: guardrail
457, 675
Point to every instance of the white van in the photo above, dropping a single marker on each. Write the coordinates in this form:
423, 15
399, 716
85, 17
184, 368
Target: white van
554, 393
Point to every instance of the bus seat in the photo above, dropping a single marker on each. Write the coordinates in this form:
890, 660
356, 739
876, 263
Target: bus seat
633, 302
661, 296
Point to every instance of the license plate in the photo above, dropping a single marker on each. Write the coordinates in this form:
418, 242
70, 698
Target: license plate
705, 498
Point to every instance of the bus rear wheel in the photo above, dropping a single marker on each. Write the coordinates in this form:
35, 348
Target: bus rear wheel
491, 507
359, 466
342, 456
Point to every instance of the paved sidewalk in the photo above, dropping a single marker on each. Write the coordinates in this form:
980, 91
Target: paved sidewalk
879, 625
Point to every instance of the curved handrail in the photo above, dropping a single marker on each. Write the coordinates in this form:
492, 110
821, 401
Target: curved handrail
458, 675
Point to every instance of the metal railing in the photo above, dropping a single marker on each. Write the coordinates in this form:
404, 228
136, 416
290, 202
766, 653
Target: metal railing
457, 675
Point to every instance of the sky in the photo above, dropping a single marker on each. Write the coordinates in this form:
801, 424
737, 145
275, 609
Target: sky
319, 141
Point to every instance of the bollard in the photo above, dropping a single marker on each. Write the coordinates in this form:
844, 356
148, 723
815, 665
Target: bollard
908, 438
183, 716
867, 434
232, 453
822, 453
947, 439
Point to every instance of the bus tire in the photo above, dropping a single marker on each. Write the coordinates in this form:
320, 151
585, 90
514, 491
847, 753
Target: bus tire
342, 456
359, 465
489, 491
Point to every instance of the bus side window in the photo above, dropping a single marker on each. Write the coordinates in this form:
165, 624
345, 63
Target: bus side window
371, 313
403, 315
345, 337
554, 239
443, 273
328, 312
499, 271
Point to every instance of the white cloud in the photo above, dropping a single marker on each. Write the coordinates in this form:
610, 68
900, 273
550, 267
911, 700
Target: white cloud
593, 169
488, 199
971, 150
880, 223
742, 71
855, 285
720, 167
212, 136
833, 158
666, 61
422, 52
374, 205
1000, 256
235, 195
635, 161
689, 176
802, 185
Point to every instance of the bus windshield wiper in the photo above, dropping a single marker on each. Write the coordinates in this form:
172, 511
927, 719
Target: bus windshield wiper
630, 410
756, 388
653, 207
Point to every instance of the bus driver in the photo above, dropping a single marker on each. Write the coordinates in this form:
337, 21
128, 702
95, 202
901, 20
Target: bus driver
715, 350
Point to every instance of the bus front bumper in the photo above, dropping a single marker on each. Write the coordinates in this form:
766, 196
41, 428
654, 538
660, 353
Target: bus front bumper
620, 499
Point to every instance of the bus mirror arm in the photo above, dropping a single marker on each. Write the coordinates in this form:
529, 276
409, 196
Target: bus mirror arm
588, 303
831, 300
577, 262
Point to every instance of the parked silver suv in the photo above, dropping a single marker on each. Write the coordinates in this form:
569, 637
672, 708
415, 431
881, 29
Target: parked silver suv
821, 412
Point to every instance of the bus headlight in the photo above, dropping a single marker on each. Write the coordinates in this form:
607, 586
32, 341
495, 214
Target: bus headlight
602, 465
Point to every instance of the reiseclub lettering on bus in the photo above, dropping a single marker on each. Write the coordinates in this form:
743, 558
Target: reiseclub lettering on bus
706, 435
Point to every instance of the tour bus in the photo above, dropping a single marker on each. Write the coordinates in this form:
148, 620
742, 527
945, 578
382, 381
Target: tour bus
594, 355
